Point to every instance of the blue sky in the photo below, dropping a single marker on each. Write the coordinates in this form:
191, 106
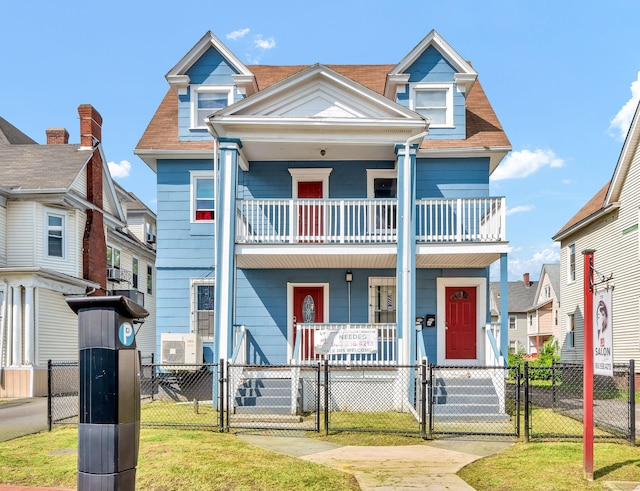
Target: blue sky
563, 78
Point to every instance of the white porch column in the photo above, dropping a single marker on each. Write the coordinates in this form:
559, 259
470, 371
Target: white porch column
16, 321
29, 326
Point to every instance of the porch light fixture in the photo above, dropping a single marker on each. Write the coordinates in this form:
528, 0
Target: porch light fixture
323, 152
348, 277
419, 322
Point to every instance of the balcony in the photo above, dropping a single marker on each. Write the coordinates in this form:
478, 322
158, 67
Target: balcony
446, 230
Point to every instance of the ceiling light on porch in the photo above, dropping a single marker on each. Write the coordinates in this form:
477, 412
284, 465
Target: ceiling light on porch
323, 152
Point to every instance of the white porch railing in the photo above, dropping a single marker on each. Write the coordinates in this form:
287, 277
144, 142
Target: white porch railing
360, 221
492, 346
386, 352
461, 220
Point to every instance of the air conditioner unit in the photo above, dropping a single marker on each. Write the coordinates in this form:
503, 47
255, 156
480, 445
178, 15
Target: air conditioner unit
150, 238
180, 351
114, 274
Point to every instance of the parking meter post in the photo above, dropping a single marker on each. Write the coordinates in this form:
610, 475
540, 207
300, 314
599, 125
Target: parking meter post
109, 424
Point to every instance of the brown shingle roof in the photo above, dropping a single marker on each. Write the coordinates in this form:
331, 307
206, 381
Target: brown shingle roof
483, 127
593, 205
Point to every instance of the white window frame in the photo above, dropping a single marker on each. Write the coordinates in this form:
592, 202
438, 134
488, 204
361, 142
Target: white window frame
195, 283
382, 281
310, 175
515, 322
449, 123
570, 340
195, 175
571, 269
65, 219
200, 89
373, 174
135, 284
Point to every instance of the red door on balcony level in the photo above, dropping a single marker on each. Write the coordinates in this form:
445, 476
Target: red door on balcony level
308, 308
460, 323
309, 216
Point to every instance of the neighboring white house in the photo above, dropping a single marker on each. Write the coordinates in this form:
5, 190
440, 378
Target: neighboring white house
543, 316
61, 215
608, 224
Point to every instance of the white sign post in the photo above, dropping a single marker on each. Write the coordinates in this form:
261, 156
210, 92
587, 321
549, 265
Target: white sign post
602, 337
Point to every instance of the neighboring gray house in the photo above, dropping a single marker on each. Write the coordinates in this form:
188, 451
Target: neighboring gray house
521, 298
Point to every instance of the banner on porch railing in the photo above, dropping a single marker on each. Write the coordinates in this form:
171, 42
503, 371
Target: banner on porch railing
346, 341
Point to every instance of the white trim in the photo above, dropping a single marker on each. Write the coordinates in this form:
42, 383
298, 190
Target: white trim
426, 86
193, 284
325, 310
381, 281
194, 175
193, 101
480, 285
373, 174
310, 175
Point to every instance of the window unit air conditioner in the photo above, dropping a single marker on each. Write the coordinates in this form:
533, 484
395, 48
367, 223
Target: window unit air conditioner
150, 238
180, 351
114, 274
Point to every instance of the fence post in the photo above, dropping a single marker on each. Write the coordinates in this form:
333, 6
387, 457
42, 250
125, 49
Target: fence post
49, 394
423, 400
632, 403
553, 382
326, 397
526, 402
153, 376
318, 398
518, 401
221, 393
430, 403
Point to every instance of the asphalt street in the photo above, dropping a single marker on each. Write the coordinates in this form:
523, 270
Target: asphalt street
19, 417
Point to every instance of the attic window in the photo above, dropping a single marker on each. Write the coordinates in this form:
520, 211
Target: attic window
434, 102
206, 100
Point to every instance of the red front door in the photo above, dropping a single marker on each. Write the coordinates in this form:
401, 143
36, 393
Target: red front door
308, 307
309, 215
460, 323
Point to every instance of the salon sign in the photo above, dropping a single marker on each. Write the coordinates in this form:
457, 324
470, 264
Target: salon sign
345, 341
602, 338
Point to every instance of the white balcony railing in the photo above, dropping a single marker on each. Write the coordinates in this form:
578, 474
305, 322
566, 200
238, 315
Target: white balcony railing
367, 221
384, 350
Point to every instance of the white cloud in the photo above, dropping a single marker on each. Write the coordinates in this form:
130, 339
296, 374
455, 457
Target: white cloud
519, 264
265, 43
523, 163
621, 121
519, 209
240, 33
121, 169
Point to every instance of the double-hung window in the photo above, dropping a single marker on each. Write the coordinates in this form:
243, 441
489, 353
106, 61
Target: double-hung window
207, 99
203, 295
113, 263
135, 265
572, 263
55, 235
570, 341
382, 300
202, 196
434, 102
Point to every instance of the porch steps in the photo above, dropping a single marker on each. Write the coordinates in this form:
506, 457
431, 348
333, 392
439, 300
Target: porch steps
266, 399
461, 397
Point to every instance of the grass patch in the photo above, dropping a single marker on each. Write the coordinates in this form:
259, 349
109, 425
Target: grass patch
178, 413
171, 460
552, 466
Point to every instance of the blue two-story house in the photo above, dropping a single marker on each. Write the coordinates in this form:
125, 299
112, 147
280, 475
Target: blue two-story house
329, 211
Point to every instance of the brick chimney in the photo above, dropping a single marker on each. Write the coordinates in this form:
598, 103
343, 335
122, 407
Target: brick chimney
57, 136
527, 283
94, 243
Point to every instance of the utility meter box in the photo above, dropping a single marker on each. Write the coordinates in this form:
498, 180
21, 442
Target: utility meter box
109, 426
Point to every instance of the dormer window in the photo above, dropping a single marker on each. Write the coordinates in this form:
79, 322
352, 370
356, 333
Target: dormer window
434, 102
208, 99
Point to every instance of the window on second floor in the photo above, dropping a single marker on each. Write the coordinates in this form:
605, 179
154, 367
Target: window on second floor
55, 235
113, 257
149, 279
434, 102
202, 196
512, 322
572, 262
208, 99
134, 275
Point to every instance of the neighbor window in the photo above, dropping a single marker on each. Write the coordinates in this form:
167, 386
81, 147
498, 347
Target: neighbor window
203, 295
207, 100
149, 279
570, 341
113, 257
512, 322
203, 198
382, 300
572, 262
434, 102
134, 267
55, 235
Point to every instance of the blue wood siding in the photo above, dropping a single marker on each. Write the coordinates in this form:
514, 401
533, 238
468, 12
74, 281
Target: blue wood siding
452, 178
181, 243
272, 180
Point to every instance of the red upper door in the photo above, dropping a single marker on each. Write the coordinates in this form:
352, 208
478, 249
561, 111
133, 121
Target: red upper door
460, 323
309, 215
308, 307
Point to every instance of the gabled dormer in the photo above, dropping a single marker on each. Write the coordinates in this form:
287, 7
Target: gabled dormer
433, 80
209, 77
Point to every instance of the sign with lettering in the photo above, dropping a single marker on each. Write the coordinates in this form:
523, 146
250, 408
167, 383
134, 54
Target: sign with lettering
602, 336
345, 341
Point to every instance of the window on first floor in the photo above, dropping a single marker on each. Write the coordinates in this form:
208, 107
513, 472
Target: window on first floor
572, 262
55, 235
382, 300
202, 196
203, 295
570, 341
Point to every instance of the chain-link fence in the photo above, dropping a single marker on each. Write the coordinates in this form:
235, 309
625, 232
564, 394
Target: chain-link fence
63, 392
555, 408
